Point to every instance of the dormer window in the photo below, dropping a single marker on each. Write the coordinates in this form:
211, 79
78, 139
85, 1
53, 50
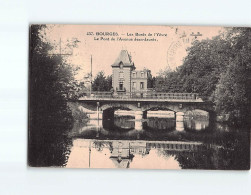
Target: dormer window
121, 65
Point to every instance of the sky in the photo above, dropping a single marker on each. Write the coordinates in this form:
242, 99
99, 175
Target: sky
165, 45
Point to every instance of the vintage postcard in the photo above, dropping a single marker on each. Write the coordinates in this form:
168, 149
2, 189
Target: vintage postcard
139, 97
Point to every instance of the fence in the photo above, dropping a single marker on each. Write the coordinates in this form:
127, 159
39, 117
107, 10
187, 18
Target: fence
141, 95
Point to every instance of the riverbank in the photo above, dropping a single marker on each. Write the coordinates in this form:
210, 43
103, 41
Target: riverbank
77, 113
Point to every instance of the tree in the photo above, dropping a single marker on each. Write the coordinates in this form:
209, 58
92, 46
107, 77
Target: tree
151, 82
78, 89
202, 66
50, 81
219, 70
232, 94
169, 83
101, 82
109, 82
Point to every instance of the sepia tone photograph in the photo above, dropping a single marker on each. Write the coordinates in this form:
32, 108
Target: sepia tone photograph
139, 97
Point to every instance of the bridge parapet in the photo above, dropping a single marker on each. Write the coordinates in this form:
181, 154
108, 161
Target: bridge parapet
141, 96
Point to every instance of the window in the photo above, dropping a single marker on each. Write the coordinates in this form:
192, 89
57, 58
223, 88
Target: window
142, 74
121, 75
121, 86
134, 74
134, 85
141, 85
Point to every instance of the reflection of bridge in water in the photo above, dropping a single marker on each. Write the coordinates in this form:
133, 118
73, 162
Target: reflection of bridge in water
143, 147
122, 152
123, 126
150, 148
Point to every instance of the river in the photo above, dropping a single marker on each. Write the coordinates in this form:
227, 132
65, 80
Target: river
154, 143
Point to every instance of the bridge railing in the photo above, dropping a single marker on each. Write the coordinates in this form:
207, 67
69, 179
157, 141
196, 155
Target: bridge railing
140, 95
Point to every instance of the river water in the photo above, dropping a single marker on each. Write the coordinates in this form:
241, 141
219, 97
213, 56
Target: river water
155, 143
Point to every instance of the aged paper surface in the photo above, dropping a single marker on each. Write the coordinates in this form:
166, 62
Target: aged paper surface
145, 97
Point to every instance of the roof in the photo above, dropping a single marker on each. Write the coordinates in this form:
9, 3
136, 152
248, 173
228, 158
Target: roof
144, 70
125, 58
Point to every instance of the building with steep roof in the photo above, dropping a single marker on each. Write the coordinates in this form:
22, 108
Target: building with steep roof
125, 77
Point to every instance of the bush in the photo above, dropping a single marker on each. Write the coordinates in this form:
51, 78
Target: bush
77, 114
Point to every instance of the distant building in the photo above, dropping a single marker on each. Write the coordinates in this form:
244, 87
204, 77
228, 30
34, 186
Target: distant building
125, 77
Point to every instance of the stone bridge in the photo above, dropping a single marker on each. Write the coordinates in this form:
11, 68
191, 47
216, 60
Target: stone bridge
107, 105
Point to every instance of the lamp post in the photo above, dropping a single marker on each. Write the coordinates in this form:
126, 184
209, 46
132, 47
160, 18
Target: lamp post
91, 78
90, 153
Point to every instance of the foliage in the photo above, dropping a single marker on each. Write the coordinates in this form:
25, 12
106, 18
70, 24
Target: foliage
169, 83
77, 114
77, 90
232, 95
216, 69
50, 83
49, 79
102, 82
202, 66
151, 82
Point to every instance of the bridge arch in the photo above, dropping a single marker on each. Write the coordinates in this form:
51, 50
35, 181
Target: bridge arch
108, 111
155, 108
152, 107
209, 114
115, 106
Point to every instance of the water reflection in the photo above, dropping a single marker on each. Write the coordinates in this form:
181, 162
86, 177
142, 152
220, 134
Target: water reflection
153, 143
196, 124
179, 126
158, 143
122, 154
88, 153
125, 122
155, 123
